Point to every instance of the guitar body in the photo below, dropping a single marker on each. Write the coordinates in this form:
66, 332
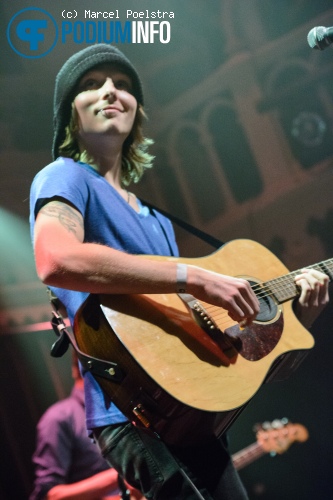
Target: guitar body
180, 379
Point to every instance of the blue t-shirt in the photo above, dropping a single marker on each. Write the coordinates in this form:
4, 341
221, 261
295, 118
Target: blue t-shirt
108, 220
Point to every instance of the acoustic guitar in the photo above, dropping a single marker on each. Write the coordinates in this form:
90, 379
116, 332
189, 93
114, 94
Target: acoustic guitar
181, 367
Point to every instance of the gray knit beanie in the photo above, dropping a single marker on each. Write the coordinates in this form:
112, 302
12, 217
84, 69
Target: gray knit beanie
70, 74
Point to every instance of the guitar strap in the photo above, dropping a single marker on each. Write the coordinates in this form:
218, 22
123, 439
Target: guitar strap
202, 235
100, 367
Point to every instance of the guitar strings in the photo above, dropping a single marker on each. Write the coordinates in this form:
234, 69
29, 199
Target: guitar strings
281, 282
262, 291
271, 288
218, 313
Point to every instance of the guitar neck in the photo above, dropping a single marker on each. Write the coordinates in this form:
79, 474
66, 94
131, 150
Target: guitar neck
284, 287
247, 455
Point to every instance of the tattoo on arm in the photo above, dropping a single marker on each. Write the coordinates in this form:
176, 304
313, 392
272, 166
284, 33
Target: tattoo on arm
66, 215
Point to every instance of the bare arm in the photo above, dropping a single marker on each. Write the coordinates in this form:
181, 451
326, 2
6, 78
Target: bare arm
63, 260
92, 488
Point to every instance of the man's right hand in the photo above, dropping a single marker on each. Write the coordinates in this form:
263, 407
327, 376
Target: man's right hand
233, 294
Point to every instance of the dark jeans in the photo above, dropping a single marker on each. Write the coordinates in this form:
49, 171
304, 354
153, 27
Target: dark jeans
170, 473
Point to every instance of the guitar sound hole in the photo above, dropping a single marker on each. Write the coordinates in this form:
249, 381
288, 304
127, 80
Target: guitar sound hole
268, 307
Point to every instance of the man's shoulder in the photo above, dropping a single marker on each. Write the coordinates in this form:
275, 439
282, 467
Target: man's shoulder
59, 164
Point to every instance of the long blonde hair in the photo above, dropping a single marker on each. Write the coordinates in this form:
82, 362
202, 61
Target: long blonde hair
135, 157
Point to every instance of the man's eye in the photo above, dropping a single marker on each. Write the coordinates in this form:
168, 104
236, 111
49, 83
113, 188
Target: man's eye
90, 85
123, 85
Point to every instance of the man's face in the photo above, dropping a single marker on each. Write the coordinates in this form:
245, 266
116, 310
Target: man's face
105, 104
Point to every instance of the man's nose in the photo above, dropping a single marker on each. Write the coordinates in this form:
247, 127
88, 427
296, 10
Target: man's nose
108, 87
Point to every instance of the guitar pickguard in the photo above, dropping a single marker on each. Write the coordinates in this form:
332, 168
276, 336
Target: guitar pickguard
259, 339
256, 341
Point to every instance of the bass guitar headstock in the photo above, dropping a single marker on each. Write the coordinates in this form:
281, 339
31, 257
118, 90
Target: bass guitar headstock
277, 436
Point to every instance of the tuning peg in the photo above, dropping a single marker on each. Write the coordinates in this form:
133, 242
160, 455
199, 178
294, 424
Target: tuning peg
262, 426
266, 426
278, 424
275, 424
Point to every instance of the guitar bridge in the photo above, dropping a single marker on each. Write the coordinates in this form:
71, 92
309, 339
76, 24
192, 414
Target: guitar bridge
208, 325
199, 314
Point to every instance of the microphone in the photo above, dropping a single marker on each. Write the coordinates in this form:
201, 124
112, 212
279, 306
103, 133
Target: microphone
320, 37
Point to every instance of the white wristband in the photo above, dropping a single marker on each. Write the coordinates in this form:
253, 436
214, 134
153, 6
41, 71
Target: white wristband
181, 278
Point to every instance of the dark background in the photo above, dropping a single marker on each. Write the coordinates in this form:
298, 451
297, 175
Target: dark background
241, 112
